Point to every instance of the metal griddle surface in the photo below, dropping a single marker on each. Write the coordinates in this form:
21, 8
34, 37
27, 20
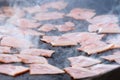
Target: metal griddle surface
59, 59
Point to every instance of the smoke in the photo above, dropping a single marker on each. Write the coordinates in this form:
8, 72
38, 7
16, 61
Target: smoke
62, 53
12, 13
116, 7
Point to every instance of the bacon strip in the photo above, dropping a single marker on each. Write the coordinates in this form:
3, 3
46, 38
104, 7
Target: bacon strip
115, 41
62, 41
68, 26
47, 28
81, 14
110, 57
82, 37
103, 68
12, 12
82, 61
59, 5
114, 57
48, 39
26, 23
7, 58
70, 39
104, 28
8, 11
104, 19
94, 47
37, 52
48, 16
4, 49
110, 29
32, 59
44, 69
59, 41
79, 73
12, 70
15, 42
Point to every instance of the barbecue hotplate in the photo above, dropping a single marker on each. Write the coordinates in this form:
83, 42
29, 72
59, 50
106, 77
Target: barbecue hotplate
59, 59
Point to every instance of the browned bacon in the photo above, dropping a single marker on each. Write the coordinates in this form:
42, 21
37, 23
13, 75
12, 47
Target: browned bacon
37, 52
12, 70
44, 69
82, 61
